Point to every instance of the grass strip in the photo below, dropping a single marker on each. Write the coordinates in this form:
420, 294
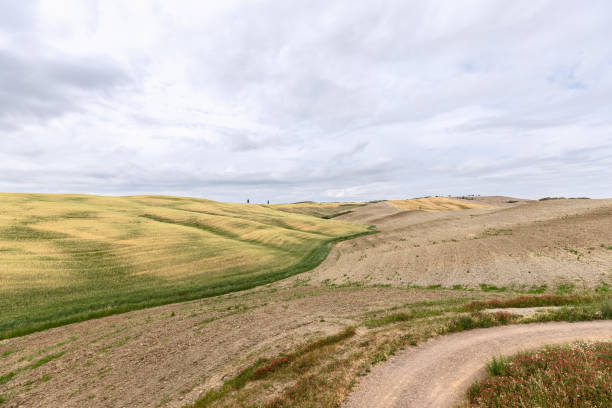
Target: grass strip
9, 376
389, 319
531, 301
264, 367
479, 320
6, 377
43, 360
598, 311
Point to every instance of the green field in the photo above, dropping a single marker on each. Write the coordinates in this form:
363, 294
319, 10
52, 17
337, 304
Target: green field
66, 258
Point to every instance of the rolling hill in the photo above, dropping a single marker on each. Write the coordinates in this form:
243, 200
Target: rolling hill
66, 258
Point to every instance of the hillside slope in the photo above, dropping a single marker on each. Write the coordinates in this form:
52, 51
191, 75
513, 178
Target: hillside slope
71, 257
555, 242
321, 210
431, 204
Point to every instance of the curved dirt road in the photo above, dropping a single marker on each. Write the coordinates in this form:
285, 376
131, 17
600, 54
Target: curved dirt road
438, 373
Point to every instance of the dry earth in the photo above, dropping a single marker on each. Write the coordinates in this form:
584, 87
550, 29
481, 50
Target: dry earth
549, 242
438, 373
168, 356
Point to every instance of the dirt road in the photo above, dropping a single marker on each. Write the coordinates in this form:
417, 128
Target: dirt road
438, 373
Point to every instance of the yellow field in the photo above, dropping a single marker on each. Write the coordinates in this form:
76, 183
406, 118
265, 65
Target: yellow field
434, 204
321, 210
70, 257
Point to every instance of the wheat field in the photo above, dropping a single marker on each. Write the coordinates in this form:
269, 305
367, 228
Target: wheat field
321, 210
66, 258
432, 204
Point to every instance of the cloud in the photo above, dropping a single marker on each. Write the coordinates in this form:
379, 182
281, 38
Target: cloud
39, 88
319, 100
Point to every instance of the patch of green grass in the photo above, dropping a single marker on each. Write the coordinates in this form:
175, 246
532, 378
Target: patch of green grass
25, 233
575, 252
603, 288
43, 361
597, 310
6, 377
379, 357
497, 365
530, 301
478, 320
301, 282
389, 319
565, 289
116, 343
601, 310
417, 313
537, 289
2, 399
492, 288
212, 319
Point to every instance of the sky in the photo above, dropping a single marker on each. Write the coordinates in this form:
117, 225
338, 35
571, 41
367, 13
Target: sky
306, 100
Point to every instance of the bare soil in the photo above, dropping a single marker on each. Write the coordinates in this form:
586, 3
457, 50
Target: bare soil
438, 373
526, 243
168, 356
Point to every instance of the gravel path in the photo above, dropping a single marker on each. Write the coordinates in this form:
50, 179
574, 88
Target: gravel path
438, 373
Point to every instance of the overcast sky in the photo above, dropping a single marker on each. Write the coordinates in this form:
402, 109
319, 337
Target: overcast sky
306, 100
